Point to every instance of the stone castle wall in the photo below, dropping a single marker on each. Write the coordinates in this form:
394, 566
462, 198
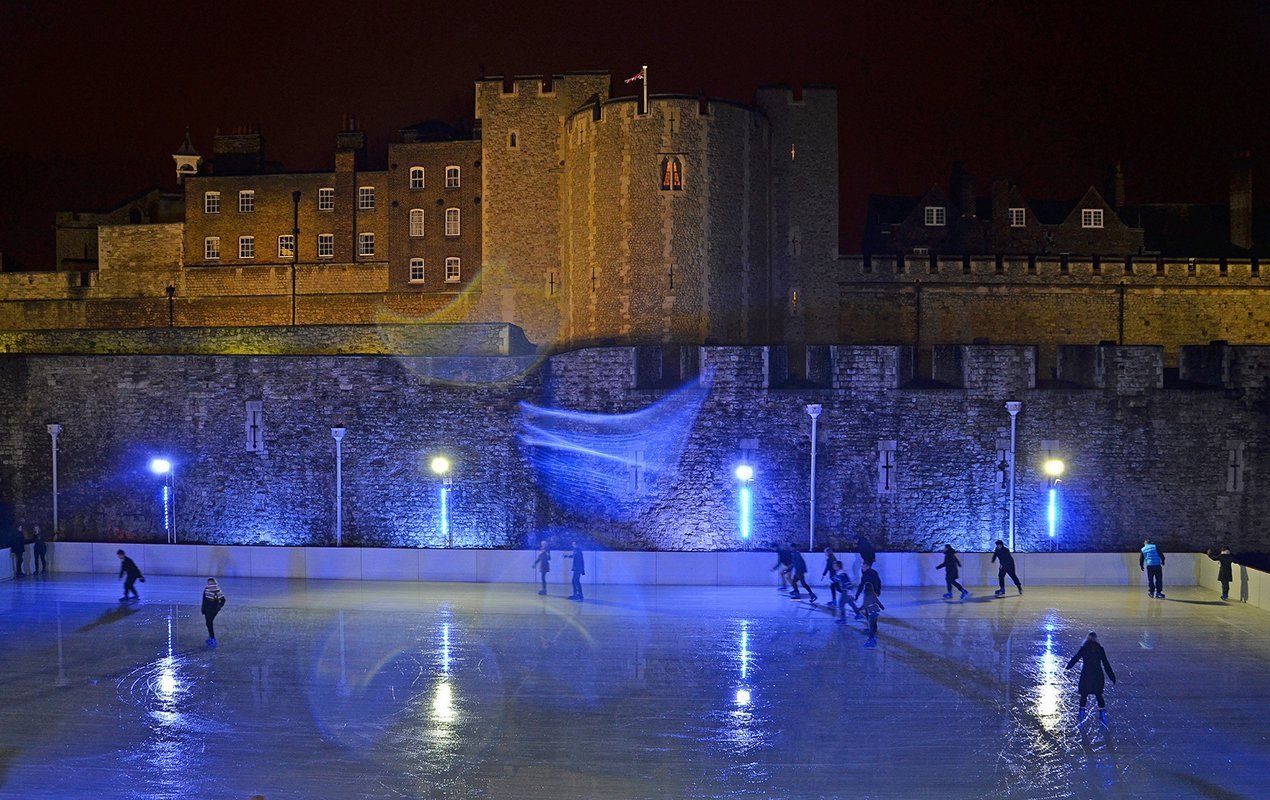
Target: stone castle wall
1144, 457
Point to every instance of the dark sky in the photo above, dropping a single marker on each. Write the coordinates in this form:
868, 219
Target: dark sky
95, 96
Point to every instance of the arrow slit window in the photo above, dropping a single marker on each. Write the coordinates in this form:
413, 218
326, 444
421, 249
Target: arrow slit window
886, 466
255, 426
672, 174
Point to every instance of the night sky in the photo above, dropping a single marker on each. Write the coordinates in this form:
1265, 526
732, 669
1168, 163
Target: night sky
96, 96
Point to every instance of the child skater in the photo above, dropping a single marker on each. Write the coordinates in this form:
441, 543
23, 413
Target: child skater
1225, 572
798, 575
213, 602
784, 562
871, 587
951, 567
1093, 661
129, 568
828, 572
840, 581
543, 564
1005, 566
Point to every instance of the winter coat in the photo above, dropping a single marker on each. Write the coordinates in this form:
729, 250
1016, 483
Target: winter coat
1005, 557
1093, 661
797, 564
129, 567
579, 564
950, 565
213, 600
1150, 556
1224, 572
543, 561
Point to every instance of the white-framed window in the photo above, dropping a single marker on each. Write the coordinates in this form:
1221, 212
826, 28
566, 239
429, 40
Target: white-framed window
246, 246
417, 177
452, 219
453, 270
1091, 218
365, 198
326, 199
211, 248
246, 201
416, 270
365, 244
1018, 218
286, 245
416, 222
452, 177
211, 202
326, 245
936, 215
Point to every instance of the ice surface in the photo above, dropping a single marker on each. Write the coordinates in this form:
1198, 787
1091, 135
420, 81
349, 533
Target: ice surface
328, 689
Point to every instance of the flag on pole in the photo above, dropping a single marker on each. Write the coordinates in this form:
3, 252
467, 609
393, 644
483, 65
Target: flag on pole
638, 76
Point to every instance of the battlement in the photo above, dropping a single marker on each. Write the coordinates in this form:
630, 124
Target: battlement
1051, 269
810, 95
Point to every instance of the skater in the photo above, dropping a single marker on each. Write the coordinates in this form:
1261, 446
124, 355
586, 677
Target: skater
39, 552
1005, 566
828, 572
871, 587
951, 567
17, 548
213, 602
1094, 661
840, 580
784, 563
798, 575
129, 568
868, 555
579, 569
1152, 561
543, 564
1225, 572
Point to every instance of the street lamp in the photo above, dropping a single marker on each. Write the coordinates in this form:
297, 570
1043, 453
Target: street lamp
813, 411
440, 466
164, 468
1053, 469
745, 473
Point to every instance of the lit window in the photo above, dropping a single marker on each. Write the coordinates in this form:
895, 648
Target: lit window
326, 245
246, 246
326, 199
416, 270
286, 246
936, 215
211, 248
211, 202
366, 198
365, 244
1018, 218
1091, 218
451, 177
672, 174
416, 222
452, 216
246, 201
453, 270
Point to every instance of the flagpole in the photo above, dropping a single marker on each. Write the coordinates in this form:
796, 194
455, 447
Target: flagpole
644, 71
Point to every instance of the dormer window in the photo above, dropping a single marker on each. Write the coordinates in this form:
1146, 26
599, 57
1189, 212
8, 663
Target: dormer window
1018, 218
1091, 218
936, 216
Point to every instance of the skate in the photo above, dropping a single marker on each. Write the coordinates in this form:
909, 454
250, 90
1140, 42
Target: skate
841, 621
542, 591
1159, 595
872, 643
795, 596
1020, 588
1150, 594
964, 594
947, 595
1102, 717
211, 641
1080, 717
812, 599
999, 593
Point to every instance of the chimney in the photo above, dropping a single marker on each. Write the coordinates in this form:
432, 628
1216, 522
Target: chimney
350, 145
1115, 186
239, 153
1241, 200
961, 186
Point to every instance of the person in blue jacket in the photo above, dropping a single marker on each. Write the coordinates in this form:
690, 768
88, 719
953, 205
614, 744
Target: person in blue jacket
1152, 561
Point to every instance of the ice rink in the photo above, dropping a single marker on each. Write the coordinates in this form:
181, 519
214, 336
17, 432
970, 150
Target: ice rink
326, 689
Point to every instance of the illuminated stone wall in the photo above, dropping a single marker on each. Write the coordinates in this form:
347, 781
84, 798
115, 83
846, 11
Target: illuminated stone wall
629, 464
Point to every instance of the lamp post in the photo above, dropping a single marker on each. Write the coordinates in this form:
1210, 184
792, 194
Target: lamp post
54, 430
744, 473
1013, 407
165, 468
813, 411
338, 435
440, 466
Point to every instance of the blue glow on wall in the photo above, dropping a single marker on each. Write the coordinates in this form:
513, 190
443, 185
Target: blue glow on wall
745, 512
445, 516
1051, 512
611, 466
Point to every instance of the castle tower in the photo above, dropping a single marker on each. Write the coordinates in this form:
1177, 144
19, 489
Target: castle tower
804, 210
522, 156
187, 160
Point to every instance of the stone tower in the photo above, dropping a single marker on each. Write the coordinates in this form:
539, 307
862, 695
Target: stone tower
187, 160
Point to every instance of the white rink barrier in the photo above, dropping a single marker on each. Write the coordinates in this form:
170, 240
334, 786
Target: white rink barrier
625, 567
